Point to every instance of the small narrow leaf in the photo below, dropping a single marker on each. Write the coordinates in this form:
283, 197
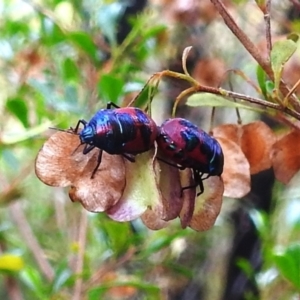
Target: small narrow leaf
280, 54
110, 87
261, 79
207, 99
70, 70
84, 42
185, 55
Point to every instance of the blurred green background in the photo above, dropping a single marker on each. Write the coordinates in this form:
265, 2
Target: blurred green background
63, 60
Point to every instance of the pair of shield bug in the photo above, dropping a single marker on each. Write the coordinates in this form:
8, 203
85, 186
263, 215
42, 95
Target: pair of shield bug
129, 131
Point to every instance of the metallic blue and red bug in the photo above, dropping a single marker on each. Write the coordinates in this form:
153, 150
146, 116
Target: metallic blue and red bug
190, 147
125, 131
129, 131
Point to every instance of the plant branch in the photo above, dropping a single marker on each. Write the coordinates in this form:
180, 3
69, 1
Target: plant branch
267, 19
80, 257
12, 288
241, 35
253, 50
253, 100
196, 88
29, 238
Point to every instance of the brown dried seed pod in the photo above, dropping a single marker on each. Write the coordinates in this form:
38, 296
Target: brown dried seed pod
236, 174
208, 204
152, 220
255, 139
286, 156
140, 192
61, 163
188, 198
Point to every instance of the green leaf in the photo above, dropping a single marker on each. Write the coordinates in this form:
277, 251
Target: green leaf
245, 266
145, 96
70, 70
280, 54
13, 28
85, 43
207, 99
10, 262
160, 243
110, 88
154, 31
51, 33
270, 86
288, 263
261, 222
32, 278
118, 236
261, 79
18, 107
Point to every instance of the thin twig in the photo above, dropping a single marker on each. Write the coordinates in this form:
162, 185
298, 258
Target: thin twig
12, 288
29, 238
238, 115
243, 76
267, 18
80, 257
109, 267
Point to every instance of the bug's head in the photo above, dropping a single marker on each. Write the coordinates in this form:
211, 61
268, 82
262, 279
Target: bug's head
86, 135
217, 161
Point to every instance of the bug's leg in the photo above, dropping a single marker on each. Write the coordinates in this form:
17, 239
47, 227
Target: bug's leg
199, 181
111, 104
205, 177
130, 157
83, 122
87, 148
76, 148
171, 164
192, 186
98, 164
189, 187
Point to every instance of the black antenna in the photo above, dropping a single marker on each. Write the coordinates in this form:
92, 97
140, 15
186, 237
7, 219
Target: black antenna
70, 130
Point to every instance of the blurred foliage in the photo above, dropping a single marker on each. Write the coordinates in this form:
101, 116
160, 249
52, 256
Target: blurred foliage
59, 62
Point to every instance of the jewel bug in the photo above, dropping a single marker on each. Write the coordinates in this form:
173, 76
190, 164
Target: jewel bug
190, 147
125, 131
